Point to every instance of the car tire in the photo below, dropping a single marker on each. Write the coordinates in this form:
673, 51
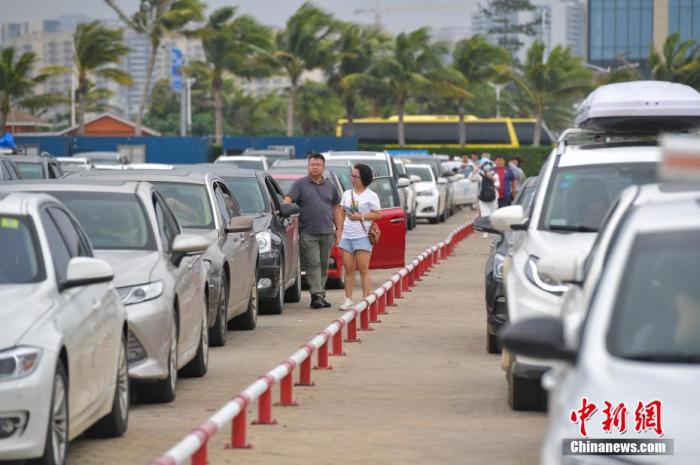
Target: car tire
56, 447
275, 306
115, 423
199, 365
249, 320
492, 344
163, 390
293, 294
435, 220
526, 395
217, 333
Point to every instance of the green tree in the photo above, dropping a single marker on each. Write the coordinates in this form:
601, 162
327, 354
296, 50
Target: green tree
164, 109
97, 49
305, 44
677, 62
318, 108
355, 53
549, 86
17, 82
156, 19
405, 71
506, 26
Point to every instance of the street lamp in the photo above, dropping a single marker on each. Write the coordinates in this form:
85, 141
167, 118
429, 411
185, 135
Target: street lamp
498, 88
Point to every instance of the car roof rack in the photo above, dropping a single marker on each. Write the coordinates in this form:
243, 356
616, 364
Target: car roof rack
592, 138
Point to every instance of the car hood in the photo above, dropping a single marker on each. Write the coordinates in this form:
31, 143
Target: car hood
130, 267
543, 243
424, 186
23, 305
261, 222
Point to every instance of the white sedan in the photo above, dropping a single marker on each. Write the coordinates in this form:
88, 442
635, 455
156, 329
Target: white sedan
63, 367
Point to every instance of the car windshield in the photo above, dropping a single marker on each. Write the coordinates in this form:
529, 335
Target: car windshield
30, 170
190, 204
379, 166
246, 164
20, 259
384, 188
248, 194
344, 176
580, 197
657, 313
425, 174
111, 221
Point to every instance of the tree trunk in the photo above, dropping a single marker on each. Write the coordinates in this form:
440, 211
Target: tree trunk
537, 137
218, 112
146, 88
462, 124
80, 105
402, 136
290, 107
350, 115
4, 111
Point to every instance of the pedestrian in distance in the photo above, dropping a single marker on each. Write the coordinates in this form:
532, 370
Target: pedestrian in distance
488, 183
360, 209
514, 165
506, 178
320, 225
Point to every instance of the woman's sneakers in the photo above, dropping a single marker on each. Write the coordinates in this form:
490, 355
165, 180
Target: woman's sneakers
347, 305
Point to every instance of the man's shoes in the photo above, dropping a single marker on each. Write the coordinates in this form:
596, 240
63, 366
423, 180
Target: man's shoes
325, 303
317, 302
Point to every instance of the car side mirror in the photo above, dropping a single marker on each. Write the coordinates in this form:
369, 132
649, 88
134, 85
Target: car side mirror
541, 337
442, 181
414, 178
289, 209
564, 268
403, 182
84, 271
504, 218
189, 244
483, 224
240, 224
447, 174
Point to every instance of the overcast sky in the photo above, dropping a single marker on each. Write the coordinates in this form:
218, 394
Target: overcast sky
398, 15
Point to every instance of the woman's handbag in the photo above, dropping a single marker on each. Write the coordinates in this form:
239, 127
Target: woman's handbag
374, 232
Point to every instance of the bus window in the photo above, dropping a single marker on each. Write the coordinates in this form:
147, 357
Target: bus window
487, 133
526, 132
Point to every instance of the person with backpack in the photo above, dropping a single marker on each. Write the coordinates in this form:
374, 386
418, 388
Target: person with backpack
488, 182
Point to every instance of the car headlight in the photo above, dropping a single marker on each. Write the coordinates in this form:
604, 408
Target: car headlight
18, 362
143, 292
553, 287
498, 260
264, 241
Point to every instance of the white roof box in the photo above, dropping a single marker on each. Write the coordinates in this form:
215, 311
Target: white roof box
641, 107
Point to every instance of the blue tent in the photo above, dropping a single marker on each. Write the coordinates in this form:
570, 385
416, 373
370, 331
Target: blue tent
8, 142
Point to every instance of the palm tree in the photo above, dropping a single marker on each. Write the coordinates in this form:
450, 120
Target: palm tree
97, 48
305, 44
473, 65
355, 51
551, 85
677, 62
17, 84
405, 70
318, 108
231, 44
156, 19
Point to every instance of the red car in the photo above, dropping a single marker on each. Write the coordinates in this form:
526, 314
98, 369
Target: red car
390, 251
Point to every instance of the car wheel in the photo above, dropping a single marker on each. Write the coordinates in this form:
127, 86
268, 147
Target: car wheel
249, 320
492, 344
217, 333
275, 306
163, 390
199, 365
115, 423
56, 447
434, 220
293, 294
526, 394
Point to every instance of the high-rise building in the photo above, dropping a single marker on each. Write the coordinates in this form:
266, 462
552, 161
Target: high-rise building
627, 29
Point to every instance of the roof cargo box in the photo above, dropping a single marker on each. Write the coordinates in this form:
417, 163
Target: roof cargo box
641, 107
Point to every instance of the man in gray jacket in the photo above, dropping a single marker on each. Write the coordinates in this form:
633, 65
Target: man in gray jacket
320, 220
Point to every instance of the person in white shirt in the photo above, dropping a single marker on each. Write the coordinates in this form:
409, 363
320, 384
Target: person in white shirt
360, 209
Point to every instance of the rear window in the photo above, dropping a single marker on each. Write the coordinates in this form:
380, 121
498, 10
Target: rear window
30, 170
245, 164
384, 188
424, 174
190, 204
20, 256
248, 194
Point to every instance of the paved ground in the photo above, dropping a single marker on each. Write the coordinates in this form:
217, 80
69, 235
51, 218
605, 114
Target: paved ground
421, 389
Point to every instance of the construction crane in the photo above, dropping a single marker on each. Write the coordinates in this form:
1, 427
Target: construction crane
379, 9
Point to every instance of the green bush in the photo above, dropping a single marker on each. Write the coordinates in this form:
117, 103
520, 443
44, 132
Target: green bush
532, 157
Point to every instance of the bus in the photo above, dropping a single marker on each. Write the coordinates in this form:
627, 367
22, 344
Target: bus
432, 130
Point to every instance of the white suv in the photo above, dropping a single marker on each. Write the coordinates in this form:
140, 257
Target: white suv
63, 367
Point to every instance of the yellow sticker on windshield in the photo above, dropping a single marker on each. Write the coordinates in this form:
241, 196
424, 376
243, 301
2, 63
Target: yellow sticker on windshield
9, 223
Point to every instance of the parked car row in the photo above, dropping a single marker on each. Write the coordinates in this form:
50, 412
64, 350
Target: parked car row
599, 259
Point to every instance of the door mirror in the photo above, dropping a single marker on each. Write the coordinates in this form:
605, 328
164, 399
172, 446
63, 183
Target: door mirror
442, 181
288, 209
504, 218
240, 224
189, 244
84, 271
563, 268
414, 178
448, 174
403, 182
483, 224
541, 337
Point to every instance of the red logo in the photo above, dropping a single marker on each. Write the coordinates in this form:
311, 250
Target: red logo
646, 417
583, 414
615, 418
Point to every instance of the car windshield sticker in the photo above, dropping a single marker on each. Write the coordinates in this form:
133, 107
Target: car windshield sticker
9, 223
